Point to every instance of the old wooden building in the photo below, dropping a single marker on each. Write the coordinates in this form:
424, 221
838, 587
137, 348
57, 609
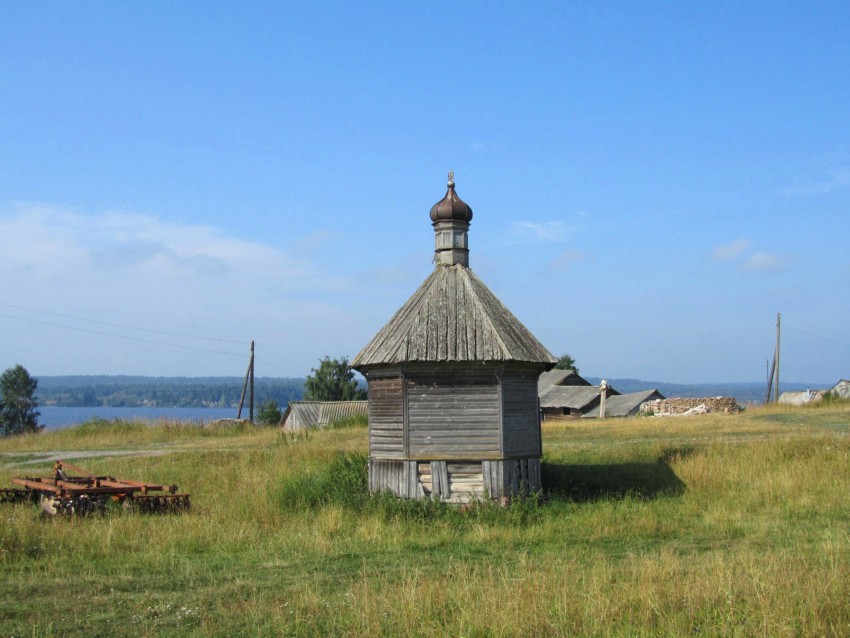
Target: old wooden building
453, 409
305, 415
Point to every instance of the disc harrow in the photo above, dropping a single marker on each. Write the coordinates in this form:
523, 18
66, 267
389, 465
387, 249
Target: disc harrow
84, 493
18, 496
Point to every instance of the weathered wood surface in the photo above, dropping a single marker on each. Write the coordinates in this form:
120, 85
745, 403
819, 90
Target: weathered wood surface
399, 477
510, 477
440, 477
453, 415
386, 418
301, 415
520, 420
453, 316
455, 482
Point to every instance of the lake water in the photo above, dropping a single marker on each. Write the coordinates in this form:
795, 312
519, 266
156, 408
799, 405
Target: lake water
56, 418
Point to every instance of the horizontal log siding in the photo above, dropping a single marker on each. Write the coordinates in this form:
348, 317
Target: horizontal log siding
520, 423
386, 418
453, 416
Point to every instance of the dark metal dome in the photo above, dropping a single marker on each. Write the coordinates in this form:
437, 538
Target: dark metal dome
451, 207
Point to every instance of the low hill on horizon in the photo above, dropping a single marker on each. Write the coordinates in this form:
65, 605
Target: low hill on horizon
138, 390
742, 392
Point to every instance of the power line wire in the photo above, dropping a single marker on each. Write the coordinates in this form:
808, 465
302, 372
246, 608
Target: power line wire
117, 325
271, 365
808, 325
277, 356
820, 336
115, 336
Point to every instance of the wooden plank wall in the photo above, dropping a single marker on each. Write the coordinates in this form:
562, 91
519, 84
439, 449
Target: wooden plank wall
455, 482
520, 421
453, 416
386, 418
511, 476
399, 477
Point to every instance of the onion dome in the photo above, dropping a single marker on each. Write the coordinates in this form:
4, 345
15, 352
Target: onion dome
451, 207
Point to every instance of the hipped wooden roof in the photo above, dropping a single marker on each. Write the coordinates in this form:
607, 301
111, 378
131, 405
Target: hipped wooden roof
453, 317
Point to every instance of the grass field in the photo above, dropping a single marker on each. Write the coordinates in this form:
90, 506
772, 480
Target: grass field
715, 525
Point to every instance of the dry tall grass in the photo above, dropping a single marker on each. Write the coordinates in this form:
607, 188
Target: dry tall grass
717, 525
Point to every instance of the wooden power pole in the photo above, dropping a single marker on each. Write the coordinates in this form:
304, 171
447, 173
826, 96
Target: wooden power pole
251, 372
249, 377
770, 380
776, 387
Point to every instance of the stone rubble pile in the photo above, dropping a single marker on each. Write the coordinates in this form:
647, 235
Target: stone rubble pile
690, 406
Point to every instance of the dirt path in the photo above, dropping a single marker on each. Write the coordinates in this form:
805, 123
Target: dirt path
36, 458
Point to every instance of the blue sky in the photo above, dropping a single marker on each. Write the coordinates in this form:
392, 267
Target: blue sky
651, 182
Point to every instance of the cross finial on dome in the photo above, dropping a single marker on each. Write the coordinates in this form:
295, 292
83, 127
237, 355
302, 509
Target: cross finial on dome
450, 218
451, 207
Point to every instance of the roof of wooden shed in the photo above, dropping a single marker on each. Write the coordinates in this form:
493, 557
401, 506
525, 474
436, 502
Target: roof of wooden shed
575, 397
453, 317
623, 404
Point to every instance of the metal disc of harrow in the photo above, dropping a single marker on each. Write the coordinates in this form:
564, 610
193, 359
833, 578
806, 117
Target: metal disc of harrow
82, 505
18, 496
159, 503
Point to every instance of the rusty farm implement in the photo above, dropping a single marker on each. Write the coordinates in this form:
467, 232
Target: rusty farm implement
85, 493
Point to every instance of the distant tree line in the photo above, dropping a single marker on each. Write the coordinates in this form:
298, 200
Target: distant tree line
94, 391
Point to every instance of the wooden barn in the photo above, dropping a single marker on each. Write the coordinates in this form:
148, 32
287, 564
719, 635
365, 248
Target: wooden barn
453, 411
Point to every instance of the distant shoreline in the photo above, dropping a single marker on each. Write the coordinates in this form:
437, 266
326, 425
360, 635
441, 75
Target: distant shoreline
60, 417
105, 392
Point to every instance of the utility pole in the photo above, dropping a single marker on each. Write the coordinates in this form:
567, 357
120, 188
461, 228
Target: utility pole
776, 388
249, 376
251, 369
770, 380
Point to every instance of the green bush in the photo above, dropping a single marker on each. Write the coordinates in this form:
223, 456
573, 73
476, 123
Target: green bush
269, 413
344, 481
353, 421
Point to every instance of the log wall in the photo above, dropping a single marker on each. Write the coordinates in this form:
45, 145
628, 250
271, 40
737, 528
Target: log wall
520, 420
386, 418
453, 415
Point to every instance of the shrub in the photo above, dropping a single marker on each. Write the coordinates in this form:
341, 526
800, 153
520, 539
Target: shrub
344, 481
353, 421
269, 413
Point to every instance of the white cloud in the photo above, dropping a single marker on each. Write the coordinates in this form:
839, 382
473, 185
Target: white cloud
567, 259
545, 231
764, 262
727, 252
146, 271
738, 251
838, 179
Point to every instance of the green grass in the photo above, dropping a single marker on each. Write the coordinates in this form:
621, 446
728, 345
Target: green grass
716, 525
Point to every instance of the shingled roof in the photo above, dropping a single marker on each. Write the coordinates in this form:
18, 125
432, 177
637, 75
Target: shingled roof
574, 397
555, 377
453, 317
